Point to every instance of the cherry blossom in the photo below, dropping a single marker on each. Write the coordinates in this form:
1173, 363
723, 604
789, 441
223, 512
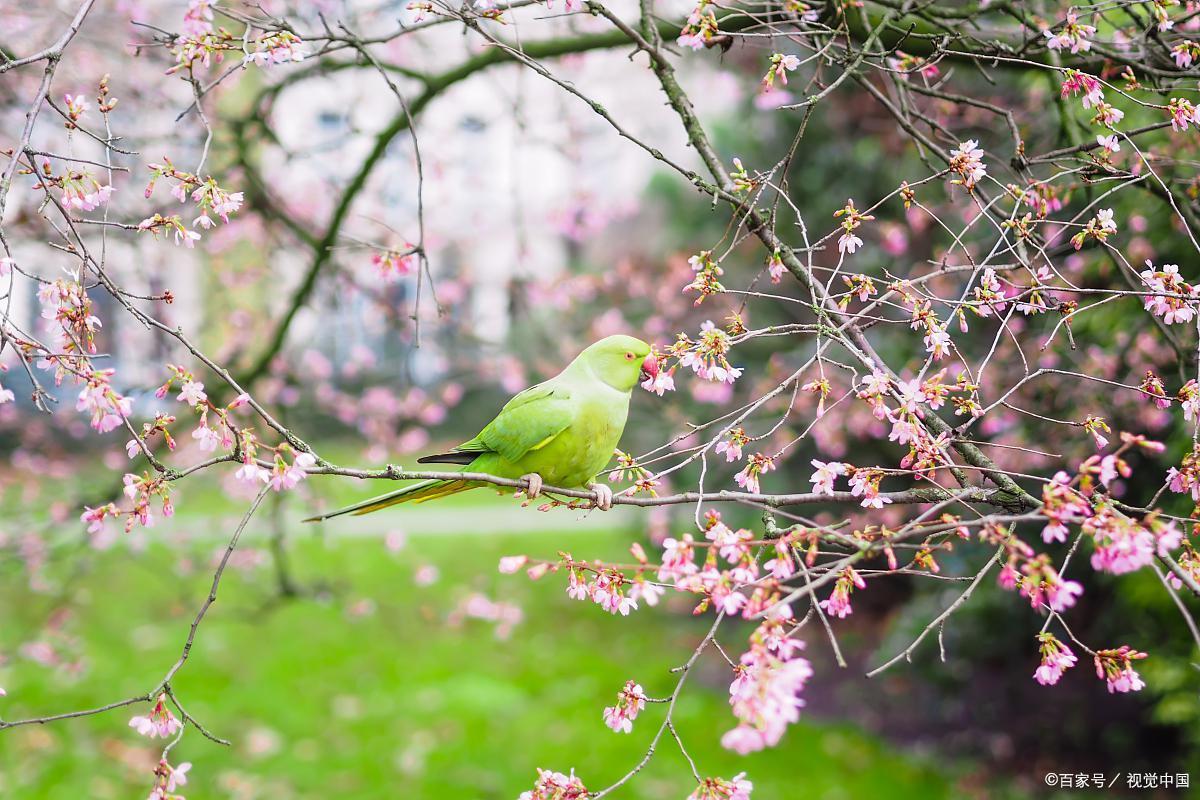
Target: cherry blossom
755, 466
160, 722
1182, 113
736, 788
1056, 659
731, 448
283, 475
630, 702
556, 786
1174, 300
678, 559
864, 483
848, 242
276, 48
1185, 53
168, 779
701, 27
1115, 667
707, 356
1079, 82
765, 691
660, 382
966, 161
1073, 35
822, 479
838, 603
1123, 545
781, 65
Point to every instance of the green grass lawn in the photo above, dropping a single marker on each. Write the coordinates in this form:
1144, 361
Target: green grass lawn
367, 688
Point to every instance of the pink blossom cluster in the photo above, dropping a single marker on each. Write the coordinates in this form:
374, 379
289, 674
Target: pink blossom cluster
1155, 390
700, 28
721, 586
70, 325
108, 408
556, 786
1034, 576
864, 483
393, 265
1099, 227
826, 472
765, 693
860, 286
169, 226
991, 295
160, 722
140, 490
707, 278
838, 603
848, 242
82, 192
76, 106
283, 475
94, 517
1081, 83
1061, 504
1115, 667
1173, 299
201, 45
731, 447
1123, 545
678, 560
966, 161
736, 788
630, 702
707, 355
205, 193
756, 465
607, 590
1042, 585
276, 48
782, 565
781, 65
167, 778
1073, 35
1182, 113
1185, 53
661, 380
1185, 479
1056, 659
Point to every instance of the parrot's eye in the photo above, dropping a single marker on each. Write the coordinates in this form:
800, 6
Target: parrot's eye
629, 356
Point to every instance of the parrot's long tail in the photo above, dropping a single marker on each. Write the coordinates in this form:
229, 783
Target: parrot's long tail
417, 493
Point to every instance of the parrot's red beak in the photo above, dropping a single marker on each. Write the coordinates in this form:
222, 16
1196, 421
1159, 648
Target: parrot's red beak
650, 368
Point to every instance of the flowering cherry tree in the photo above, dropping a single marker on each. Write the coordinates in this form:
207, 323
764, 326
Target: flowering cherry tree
987, 361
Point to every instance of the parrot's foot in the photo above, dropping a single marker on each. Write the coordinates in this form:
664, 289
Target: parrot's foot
535, 485
604, 496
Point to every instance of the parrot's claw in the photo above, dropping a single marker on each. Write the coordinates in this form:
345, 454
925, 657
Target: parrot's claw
535, 485
604, 496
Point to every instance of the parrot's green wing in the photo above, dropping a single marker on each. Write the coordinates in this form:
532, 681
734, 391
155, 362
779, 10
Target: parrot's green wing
528, 422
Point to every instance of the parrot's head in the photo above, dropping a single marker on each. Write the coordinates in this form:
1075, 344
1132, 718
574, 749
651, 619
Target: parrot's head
620, 361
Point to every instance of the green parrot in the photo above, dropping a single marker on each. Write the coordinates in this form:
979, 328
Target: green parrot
561, 432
